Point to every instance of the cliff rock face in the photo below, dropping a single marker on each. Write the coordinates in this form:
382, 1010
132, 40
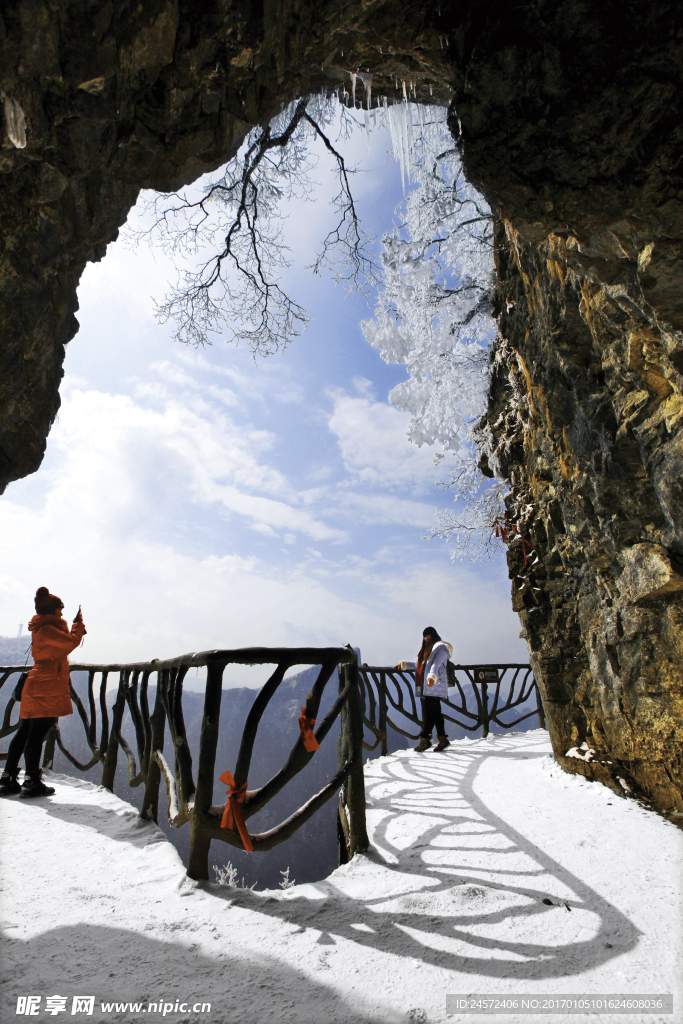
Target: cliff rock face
572, 125
569, 118
586, 418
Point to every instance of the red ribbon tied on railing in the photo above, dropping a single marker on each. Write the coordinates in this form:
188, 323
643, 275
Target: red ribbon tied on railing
306, 725
232, 815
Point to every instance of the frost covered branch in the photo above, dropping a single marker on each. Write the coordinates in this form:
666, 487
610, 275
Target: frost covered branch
357, 266
235, 220
471, 528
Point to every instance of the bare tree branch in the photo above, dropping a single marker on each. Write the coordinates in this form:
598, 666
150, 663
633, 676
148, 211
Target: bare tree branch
236, 288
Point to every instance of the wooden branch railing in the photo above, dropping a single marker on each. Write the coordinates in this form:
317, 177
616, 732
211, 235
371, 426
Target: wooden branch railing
386, 689
192, 802
368, 697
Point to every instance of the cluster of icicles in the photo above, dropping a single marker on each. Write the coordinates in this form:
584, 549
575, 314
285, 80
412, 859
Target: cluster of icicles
399, 119
366, 79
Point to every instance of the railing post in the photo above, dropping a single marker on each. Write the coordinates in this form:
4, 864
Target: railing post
200, 842
343, 837
150, 802
539, 706
485, 709
109, 771
382, 695
352, 797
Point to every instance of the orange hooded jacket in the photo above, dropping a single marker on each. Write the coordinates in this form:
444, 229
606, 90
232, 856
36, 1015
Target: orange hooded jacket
46, 690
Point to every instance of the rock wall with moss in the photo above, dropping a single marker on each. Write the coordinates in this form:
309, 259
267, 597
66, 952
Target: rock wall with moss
568, 115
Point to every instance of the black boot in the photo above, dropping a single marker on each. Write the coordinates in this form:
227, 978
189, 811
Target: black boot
442, 744
9, 784
34, 786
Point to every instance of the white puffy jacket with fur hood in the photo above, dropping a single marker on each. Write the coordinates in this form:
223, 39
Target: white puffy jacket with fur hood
435, 673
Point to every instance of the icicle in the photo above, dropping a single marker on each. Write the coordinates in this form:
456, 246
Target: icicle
15, 121
353, 82
405, 97
431, 91
367, 85
408, 127
394, 117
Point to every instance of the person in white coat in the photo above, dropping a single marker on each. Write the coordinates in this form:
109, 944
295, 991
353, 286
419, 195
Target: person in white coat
431, 685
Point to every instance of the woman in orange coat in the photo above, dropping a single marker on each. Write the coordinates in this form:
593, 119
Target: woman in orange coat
45, 696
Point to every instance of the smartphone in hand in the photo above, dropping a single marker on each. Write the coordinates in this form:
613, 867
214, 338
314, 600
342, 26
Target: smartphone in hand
79, 615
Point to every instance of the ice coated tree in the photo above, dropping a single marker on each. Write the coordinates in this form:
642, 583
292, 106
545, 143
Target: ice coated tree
433, 315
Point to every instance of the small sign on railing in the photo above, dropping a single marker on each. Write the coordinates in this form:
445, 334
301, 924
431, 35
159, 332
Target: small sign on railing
486, 675
386, 689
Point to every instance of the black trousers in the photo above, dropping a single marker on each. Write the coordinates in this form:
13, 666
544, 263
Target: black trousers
432, 717
28, 740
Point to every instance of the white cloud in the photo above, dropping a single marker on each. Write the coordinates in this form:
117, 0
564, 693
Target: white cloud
144, 599
114, 527
124, 456
386, 509
372, 438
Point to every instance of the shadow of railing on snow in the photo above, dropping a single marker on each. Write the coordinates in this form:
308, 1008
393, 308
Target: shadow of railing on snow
484, 933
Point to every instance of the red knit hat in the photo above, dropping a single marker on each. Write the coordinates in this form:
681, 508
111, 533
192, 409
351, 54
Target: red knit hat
47, 603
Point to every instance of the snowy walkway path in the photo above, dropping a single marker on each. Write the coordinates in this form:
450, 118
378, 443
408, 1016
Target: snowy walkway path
467, 846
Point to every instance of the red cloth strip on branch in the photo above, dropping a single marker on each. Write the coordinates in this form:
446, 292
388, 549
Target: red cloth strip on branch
503, 529
232, 815
527, 544
306, 725
506, 529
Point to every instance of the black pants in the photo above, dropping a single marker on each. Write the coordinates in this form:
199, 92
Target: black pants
28, 740
432, 716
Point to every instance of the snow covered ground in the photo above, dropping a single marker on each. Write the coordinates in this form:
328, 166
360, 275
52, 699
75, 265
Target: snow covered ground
491, 872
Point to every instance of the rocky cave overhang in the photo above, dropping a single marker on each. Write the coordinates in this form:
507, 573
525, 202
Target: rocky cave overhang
568, 116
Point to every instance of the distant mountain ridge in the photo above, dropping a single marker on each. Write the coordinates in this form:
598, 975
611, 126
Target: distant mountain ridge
15, 649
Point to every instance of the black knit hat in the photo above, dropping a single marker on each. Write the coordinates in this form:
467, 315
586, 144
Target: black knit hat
47, 603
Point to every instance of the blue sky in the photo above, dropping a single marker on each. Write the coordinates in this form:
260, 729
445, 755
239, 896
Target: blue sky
192, 499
